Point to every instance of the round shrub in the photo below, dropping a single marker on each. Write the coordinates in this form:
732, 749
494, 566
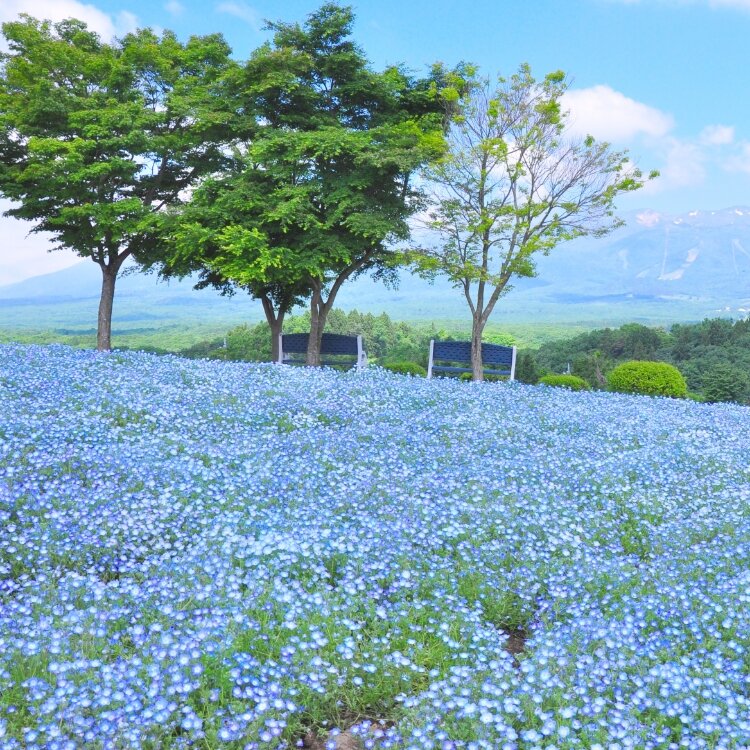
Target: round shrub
572, 382
405, 368
647, 378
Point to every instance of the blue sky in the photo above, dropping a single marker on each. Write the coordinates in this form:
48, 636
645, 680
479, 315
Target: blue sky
666, 79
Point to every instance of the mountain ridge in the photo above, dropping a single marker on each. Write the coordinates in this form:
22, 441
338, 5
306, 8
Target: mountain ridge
657, 266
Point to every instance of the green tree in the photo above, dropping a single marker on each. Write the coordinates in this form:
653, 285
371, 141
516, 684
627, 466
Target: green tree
725, 382
320, 187
527, 370
96, 138
512, 185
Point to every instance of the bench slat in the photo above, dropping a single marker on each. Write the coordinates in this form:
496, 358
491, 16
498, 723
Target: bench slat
332, 344
459, 353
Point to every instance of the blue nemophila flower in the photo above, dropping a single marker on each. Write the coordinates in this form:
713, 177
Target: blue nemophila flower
202, 554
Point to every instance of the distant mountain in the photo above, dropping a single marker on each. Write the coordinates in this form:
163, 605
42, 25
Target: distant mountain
699, 256
69, 299
658, 268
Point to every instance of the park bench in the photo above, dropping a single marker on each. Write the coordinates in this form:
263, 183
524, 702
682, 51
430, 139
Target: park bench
454, 356
345, 351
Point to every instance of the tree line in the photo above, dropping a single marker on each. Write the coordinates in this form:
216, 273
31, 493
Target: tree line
713, 356
287, 174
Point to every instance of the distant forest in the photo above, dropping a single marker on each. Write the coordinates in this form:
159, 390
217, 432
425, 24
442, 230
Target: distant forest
714, 356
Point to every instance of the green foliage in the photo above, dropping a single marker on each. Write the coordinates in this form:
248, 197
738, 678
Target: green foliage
384, 339
248, 343
513, 185
593, 353
469, 377
527, 370
725, 383
699, 350
591, 367
96, 138
500, 338
406, 368
319, 186
572, 382
648, 378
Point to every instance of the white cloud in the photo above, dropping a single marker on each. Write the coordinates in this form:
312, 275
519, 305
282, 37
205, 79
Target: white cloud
107, 26
740, 161
611, 116
683, 166
126, 22
174, 8
23, 254
243, 11
717, 135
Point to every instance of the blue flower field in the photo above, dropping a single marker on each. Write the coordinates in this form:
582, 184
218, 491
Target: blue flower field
214, 555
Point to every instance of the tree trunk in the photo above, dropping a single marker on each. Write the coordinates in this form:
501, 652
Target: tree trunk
276, 326
477, 328
318, 315
275, 322
319, 308
104, 322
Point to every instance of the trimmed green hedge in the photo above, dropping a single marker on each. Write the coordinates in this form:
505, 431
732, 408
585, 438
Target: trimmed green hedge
406, 368
648, 378
572, 382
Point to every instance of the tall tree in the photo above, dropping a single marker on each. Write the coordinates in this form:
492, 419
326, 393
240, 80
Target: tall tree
216, 236
96, 139
513, 185
325, 150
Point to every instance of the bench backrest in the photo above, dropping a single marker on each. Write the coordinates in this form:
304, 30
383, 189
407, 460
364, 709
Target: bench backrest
497, 359
332, 344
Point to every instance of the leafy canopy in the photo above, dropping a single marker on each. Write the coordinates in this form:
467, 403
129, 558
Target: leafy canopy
96, 139
324, 148
512, 184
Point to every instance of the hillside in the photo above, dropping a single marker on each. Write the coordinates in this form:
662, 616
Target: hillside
656, 269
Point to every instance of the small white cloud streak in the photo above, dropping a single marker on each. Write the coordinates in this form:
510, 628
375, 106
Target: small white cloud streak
717, 135
242, 11
174, 8
611, 116
126, 22
740, 161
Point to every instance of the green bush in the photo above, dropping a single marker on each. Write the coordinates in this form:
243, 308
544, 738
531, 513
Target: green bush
648, 378
527, 370
725, 383
572, 382
405, 368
